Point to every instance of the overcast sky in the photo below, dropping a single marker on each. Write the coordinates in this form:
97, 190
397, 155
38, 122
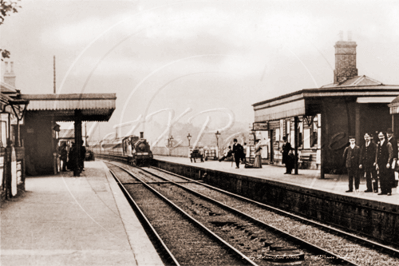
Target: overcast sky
195, 54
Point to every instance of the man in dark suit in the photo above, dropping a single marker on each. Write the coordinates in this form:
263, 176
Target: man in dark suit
383, 160
367, 159
352, 159
394, 143
238, 152
286, 150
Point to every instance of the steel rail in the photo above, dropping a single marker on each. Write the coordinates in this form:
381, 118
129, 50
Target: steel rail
387, 249
165, 252
193, 220
293, 238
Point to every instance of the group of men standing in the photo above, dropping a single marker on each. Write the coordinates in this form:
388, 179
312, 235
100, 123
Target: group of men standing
68, 157
378, 161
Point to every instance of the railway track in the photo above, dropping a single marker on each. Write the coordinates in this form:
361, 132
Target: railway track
356, 249
359, 250
182, 239
256, 240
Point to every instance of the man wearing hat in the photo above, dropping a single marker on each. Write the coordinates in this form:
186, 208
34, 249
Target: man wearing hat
367, 159
352, 161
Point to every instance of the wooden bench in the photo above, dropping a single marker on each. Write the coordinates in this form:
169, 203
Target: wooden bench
304, 160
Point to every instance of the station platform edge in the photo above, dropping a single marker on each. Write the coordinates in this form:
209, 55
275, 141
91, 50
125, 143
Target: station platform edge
63, 220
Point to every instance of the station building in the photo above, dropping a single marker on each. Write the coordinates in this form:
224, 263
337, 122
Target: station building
318, 121
40, 130
29, 138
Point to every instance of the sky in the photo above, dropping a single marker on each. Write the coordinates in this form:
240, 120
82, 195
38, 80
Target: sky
194, 56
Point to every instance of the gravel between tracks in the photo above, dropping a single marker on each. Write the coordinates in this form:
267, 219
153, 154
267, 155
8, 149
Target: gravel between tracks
250, 239
348, 249
188, 244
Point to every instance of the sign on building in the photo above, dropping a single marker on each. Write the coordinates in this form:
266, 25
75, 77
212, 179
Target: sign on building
261, 126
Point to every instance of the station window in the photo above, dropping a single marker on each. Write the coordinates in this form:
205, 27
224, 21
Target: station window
288, 130
300, 137
314, 136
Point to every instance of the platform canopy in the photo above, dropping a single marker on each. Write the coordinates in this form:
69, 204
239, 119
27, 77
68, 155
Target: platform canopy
65, 107
394, 106
305, 102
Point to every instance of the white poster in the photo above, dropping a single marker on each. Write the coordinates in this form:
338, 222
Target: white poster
292, 139
306, 138
13, 172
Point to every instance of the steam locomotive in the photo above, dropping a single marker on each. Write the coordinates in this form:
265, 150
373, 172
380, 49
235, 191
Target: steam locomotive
136, 149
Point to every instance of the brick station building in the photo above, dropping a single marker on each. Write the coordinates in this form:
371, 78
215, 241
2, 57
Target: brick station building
318, 121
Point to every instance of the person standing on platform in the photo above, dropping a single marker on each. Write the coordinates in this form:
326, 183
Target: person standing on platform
367, 158
238, 152
258, 157
285, 150
71, 157
352, 158
383, 161
394, 143
63, 156
82, 157
290, 162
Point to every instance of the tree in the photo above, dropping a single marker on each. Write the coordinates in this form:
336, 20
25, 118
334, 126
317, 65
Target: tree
6, 8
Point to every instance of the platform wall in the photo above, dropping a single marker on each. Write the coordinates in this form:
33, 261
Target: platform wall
370, 218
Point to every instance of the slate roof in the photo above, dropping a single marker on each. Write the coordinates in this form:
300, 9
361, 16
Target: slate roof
354, 82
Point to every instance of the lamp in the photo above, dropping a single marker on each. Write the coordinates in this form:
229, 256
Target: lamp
170, 140
189, 138
217, 134
18, 107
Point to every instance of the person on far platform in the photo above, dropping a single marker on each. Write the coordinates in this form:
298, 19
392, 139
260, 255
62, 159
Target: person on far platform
367, 158
352, 158
285, 150
238, 152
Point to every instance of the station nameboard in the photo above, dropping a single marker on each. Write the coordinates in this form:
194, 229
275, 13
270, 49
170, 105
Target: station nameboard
264, 126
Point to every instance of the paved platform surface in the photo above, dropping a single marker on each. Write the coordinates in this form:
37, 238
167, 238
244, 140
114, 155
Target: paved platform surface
63, 220
306, 178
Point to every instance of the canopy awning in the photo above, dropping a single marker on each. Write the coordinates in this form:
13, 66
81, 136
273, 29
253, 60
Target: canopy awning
394, 106
63, 107
284, 110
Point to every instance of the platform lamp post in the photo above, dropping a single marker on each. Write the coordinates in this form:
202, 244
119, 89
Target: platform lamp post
217, 134
19, 108
189, 138
170, 139
253, 131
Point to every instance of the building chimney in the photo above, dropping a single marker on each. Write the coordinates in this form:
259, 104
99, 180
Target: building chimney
9, 76
345, 60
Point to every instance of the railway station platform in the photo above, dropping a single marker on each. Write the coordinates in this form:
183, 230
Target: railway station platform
337, 184
66, 220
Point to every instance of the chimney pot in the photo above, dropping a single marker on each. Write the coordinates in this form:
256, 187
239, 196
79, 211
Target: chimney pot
11, 67
9, 76
349, 36
6, 67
